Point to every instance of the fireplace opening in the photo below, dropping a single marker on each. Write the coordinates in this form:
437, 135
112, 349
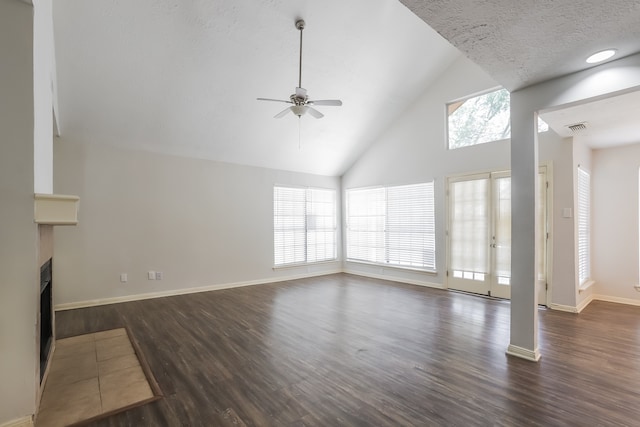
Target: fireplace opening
46, 316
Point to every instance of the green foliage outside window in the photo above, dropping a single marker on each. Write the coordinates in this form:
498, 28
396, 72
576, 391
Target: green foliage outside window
481, 119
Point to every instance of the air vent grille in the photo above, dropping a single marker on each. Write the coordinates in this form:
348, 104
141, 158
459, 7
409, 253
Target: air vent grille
577, 127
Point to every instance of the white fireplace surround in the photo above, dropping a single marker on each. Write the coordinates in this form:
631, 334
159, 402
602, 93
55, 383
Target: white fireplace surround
56, 209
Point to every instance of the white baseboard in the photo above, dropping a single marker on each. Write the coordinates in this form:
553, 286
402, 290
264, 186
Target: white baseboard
185, 291
585, 303
618, 300
22, 422
524, 353
393, 279
560, 307
593, 297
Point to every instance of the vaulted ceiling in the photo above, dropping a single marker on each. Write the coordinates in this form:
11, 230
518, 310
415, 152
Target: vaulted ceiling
182, 77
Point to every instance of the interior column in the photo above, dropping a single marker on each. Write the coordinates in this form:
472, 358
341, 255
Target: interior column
524, 174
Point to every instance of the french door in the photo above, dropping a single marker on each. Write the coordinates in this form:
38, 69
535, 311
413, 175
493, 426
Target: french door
479, 234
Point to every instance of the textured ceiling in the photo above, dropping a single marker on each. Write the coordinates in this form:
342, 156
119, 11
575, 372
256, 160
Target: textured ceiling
182, 76
520, 43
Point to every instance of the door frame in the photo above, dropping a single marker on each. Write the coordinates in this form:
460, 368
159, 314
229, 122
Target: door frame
548, 167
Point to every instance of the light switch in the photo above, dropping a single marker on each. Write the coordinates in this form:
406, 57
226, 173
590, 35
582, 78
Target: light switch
124, 278
151, 275
566, 213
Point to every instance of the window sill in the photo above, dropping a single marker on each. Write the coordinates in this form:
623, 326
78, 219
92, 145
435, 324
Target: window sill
395, 267
303, 264
586, 285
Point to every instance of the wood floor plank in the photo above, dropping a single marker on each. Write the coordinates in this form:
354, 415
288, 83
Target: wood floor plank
344, 350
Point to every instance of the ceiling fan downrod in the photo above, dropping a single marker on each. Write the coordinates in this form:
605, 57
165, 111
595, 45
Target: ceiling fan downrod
300, 26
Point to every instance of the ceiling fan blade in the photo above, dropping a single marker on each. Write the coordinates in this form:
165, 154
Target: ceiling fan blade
301, 92
315, 113
282, 113
329, 102
274, 100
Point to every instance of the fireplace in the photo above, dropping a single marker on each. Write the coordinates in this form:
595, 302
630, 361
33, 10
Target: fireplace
46, 316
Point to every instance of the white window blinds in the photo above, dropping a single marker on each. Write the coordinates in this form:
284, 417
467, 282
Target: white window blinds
366, 211
304, 225
469, 232
394, 225
321, 225
584, 225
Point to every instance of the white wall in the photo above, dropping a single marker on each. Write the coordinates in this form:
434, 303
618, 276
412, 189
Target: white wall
615, 255
414, 150
19, 273
43, 97
201, 223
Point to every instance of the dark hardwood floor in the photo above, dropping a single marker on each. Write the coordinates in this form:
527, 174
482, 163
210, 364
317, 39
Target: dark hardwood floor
346, 350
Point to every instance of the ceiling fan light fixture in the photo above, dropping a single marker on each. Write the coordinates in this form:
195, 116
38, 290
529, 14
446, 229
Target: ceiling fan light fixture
603, 55
299, 110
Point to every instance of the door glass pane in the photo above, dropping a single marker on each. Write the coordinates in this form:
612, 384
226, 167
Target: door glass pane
469, 227
502, 191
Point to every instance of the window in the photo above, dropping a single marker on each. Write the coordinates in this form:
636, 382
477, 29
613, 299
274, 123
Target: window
304, 225
480, 119
584, 225
392, 226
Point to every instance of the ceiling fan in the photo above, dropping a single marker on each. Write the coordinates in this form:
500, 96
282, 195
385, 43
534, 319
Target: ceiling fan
301, 104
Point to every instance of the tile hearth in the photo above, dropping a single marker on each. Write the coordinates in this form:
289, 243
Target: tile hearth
92, 375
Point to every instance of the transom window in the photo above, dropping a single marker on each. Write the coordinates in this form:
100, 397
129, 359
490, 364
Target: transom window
392, 226
304, 225
480, 119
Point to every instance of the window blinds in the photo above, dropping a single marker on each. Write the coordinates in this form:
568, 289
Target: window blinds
469, 232
502, 229
394, 225
304, 225
410, 226
366, 211
584, 221
321, 225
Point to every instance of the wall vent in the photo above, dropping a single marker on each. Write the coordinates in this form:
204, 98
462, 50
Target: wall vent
577, 127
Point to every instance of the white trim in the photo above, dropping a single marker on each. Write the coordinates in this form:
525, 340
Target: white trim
523, 353
586, 285
21, 422
618, 300
585, 302
566, 308
393, 279
394, 266
174, 292
304, 264
589, 299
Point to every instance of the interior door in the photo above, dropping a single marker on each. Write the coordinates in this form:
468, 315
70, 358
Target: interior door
479, 234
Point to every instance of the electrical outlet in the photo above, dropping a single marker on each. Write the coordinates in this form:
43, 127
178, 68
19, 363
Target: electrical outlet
151, 275
158, 275
123, 277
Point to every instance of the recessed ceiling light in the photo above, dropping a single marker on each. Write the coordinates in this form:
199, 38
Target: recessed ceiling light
603, 55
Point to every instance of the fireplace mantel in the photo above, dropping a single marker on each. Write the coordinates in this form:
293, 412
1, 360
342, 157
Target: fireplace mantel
56, 209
